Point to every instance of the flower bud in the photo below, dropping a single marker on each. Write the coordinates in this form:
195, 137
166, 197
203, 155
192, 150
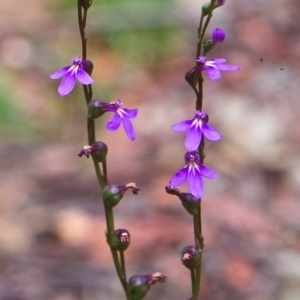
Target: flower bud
218, 35
190, 257
120, 239
85, 4
96, 108
208, 45
205, 9
113, 193
87, 66
140, 284
219, 3
192, 77
97, 150
188, 201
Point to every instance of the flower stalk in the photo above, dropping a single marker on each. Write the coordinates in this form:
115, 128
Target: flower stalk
197, 130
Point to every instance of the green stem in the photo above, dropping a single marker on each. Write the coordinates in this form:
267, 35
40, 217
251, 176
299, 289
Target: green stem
199, 246
119, 263
102, 179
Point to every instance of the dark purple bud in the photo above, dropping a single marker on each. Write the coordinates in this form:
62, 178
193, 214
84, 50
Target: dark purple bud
97, 108
97, 150
140, 284
192, 77
87, 66
190, 257
218, 35
188, 201
120, 239
113, 193
219, 3
85, 4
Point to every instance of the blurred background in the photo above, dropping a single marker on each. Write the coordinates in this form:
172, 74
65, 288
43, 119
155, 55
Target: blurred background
52, 241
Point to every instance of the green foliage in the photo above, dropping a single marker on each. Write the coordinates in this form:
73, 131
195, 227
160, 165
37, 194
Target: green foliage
11, 118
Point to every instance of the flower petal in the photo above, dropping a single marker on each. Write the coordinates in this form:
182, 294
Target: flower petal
129, 128
180, 177
182, 126
132, 113
218, 60
84, 78
193, 138
195, 183
213, 73
207, 172
67, 84
227, 67
114, 123
60, 73
210, 133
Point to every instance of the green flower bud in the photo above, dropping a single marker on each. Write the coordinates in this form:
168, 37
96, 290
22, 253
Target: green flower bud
113, 193
192, 77
87, 66
205, 9
140, 284
190, 257
96, 108
188, 201
208, 45
97, 150
120, 239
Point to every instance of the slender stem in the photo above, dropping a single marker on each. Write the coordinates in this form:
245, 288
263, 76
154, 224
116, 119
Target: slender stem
118, 262
122, 259
102, 179
81, 23
199, 247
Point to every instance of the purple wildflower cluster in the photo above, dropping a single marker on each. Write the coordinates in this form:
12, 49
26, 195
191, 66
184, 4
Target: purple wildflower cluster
79, 70
196, 128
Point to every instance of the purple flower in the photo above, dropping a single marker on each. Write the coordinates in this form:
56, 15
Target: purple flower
218, 35
214, 67
193, 172
196, 128
121, 115
70, 74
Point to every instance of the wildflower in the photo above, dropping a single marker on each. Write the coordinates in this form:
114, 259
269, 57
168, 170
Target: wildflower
78, 70
121, 115
193, 172
196, 128
214, 67
218, 35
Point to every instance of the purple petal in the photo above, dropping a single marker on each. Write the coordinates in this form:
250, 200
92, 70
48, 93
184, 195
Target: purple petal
218, 60
193, 138
195, 183
114, 123
67, 84
180, 177
129, 128
60, 73
227, 67
210, 133
84, 78
207, 172
213, 73
182, 126
132, 113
